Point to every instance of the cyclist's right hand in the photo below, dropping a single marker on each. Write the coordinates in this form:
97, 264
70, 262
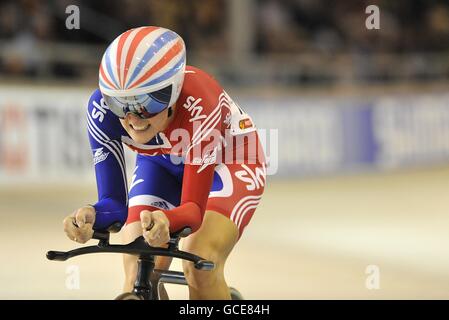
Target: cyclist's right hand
79, 225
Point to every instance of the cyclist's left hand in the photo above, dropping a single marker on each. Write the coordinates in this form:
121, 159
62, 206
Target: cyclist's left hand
155, 227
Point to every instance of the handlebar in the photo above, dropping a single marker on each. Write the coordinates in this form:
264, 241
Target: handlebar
138, 248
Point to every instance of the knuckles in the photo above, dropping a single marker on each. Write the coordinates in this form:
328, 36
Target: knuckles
82, 235
160, 226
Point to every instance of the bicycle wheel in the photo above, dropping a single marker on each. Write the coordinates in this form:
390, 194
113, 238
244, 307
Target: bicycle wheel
128, 296
235, 294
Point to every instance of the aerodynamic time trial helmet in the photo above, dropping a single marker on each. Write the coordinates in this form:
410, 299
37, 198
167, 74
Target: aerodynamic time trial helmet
142, 71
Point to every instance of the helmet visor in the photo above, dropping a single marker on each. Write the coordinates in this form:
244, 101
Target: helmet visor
144, 106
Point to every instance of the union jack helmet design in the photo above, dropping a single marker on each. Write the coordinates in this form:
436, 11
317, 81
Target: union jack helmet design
140, 63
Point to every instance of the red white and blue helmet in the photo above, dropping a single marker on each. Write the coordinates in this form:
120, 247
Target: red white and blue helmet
142, 71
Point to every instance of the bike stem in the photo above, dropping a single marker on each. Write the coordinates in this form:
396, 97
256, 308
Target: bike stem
143, 286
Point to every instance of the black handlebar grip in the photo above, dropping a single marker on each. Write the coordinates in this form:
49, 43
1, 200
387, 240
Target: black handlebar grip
101, 235
205, 265
115, 227
104, 235
57, 255
184, 232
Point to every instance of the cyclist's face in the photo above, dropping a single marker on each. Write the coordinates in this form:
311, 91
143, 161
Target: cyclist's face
143, 130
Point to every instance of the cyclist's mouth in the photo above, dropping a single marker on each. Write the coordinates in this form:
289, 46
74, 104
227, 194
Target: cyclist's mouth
139, 128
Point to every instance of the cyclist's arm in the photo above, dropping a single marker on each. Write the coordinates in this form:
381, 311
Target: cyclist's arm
204, 125
104, 135
199, 167
195, 192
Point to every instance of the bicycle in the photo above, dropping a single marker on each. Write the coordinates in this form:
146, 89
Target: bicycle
148, 279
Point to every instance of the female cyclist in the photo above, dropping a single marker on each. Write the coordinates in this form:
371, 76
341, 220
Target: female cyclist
199, 161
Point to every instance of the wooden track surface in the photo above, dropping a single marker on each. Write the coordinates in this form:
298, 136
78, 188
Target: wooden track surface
310, 239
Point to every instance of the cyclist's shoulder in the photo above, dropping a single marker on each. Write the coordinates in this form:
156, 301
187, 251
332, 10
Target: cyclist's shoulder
200, 91
99, 115
96, 100
196, 79
196, 72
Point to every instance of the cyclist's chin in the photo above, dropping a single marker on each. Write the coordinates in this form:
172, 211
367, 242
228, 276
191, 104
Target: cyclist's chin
140, 131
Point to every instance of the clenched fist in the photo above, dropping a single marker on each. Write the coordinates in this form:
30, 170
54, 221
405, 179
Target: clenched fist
79, 225
155, 227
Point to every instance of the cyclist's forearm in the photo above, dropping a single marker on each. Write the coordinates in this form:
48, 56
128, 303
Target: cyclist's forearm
109, 162
109, 211
186, 215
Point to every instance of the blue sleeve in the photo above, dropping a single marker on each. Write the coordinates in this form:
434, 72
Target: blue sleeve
105, 133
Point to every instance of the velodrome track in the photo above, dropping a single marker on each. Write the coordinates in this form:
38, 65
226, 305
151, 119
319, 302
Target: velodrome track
310, 239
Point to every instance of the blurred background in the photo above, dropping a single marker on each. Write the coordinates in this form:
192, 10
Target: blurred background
356, 124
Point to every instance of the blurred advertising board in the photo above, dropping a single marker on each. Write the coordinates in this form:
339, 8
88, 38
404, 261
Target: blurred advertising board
43, 135
328, 135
